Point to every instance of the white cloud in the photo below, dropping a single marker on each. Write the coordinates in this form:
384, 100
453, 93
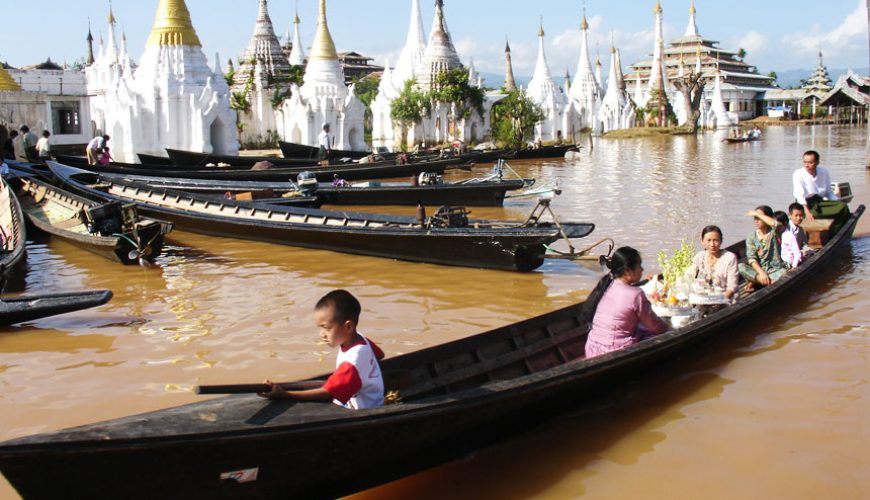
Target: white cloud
753, 42
847, 41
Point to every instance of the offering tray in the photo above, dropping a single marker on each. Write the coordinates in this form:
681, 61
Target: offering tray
708, 299
669, 311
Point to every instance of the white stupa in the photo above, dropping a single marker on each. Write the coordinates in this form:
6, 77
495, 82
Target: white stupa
544, 92
617, 111
172, 99
323, 98
585, 95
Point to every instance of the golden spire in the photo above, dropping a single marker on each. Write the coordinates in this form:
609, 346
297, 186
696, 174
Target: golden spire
111, 15
692, 8
172, 25
541, 30
658, 9
6, 80
584, 25
323, 47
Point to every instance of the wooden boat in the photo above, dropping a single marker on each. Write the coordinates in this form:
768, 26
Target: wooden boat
13, 240
32, 307
147, 159
737, 140
544, 152
293, 150
351, 172
111, 230
192, 159
455, 397
449, 238
482, 193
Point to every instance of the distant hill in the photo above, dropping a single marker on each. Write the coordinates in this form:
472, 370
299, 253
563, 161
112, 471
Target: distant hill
793, 77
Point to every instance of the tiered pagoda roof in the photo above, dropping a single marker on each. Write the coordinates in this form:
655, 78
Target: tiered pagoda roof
263, 49
440, 53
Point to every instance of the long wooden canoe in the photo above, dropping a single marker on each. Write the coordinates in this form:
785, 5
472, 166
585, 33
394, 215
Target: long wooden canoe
126, 237
479, 243
455, 397
192, 159
32, 307
482, 193
544, 152
293, 150
13, 240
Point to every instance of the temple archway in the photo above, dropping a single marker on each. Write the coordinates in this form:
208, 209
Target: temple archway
217, 134
354, 140
117, 144
296, 135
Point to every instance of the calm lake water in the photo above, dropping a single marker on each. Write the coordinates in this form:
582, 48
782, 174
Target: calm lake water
777, 408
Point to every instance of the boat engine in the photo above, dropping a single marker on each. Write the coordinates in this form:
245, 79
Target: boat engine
429, 179
106, 219
448, 216
307, 182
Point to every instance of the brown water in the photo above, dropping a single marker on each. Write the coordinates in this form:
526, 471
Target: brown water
780, 408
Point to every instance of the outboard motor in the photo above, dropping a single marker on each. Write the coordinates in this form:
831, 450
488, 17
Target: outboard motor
106, 219
307, 182
429, 179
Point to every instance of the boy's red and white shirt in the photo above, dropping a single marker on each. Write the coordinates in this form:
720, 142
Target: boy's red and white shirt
357, 382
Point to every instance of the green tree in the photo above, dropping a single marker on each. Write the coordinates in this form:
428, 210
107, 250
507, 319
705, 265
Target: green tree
366, 90
775, 77
741, 53
452, 87
514, 118
409, 106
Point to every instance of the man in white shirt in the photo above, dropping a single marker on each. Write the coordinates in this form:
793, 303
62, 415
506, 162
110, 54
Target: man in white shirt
325, 142
812, 189
96, 147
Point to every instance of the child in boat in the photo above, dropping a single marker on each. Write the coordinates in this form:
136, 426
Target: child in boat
790, 250
357, 382
764, 264
796, 216
621, 313
106, 157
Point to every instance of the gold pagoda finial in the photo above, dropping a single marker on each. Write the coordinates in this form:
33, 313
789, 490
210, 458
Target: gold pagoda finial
111, 15
323, 47
692, 8
541, 29
6, 80
658, 9
172, 25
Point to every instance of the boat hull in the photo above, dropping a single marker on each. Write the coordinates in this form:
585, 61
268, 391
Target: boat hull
32, 307
463, 395
13, 252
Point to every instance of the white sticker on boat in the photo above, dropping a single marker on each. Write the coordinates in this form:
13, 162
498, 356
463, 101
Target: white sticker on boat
241, 476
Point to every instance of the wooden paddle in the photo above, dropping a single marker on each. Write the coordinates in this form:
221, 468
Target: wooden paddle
393, 380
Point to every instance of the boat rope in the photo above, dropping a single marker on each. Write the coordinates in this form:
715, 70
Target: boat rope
573, 254
124, 236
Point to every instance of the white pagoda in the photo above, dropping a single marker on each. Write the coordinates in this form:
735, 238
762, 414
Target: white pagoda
584, 95
617, 110
173, 99
323, 99
544, 92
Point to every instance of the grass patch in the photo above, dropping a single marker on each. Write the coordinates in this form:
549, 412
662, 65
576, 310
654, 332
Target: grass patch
633, 133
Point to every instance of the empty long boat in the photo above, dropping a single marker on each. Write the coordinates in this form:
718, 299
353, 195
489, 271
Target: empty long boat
448, 238
32, 307
452, 399
109, 230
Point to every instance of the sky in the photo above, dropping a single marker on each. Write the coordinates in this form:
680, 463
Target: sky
778, 35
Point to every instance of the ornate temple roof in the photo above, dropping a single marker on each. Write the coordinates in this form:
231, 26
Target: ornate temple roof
7, 83
323, 47
820, 80
440, 53
264, 48
172, 25
584, 85
542, 88
509, 82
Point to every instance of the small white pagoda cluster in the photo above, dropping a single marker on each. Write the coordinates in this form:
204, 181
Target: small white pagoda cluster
422, 61
323, 98
585, 103
171, 100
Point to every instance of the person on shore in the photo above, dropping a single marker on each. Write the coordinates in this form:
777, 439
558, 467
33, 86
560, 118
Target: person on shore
788, 244
812, 189
716, 266
764, 264
28, 144
621, 313
559, 138
325, 142
9, 145
106, 157
357, 382
96, 148
43, 147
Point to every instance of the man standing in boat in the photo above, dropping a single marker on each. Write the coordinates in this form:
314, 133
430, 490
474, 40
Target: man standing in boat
325, 142
812, 189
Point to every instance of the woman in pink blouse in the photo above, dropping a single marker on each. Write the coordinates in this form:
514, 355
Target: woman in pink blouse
622, 315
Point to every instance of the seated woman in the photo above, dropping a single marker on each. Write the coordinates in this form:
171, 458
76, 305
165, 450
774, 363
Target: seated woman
717, 266
621, 313
764, 264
